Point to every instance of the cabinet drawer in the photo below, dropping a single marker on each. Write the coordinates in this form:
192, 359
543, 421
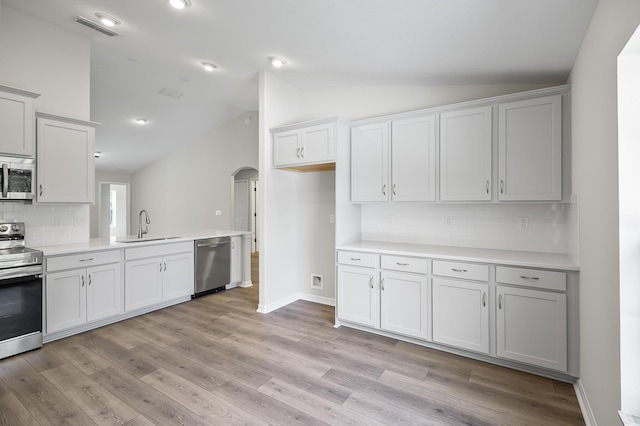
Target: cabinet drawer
158, 250
406, 264
468, 271
369, 260
537, 278
84, 260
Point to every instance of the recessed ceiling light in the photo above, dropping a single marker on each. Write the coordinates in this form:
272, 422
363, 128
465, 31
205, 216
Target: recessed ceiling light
180, 4
209, 66
277, 61
141, 120
107, 20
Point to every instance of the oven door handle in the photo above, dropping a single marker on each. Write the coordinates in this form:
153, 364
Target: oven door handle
25, 271
5, 180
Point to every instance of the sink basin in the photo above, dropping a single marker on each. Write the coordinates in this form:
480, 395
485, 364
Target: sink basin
144, 240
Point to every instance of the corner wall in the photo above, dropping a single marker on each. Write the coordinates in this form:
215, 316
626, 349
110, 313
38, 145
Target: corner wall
595, 180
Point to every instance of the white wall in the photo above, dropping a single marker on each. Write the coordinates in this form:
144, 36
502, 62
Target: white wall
182, 190
43, 58
595, 180
629, 181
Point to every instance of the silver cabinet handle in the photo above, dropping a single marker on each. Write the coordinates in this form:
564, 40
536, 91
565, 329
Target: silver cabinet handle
233, 245
302, 152
355, 259
459, 270
394, 189
89, 279
371, 281
500, 302
529, 278
484, 299
501, 186
298, 152
487, 187
41, 190
83, 281
382, 284
86, 260
160, 266
384, 189
402, 264
165, 266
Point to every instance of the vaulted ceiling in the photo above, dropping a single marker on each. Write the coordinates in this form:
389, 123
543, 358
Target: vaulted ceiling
326, 43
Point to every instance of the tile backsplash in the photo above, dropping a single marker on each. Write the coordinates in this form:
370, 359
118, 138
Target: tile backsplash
49, 224
537, 227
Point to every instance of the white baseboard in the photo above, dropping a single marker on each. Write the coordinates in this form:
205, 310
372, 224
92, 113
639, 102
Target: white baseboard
265, 309
589, 418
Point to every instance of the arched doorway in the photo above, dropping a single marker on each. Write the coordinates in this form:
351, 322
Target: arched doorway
244, 196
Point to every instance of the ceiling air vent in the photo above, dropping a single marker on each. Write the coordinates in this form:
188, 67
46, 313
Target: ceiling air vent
95, 26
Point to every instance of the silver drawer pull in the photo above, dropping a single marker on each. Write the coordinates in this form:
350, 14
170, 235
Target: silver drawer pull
529, 278
356, 259
86, 260
402, 264
459, 270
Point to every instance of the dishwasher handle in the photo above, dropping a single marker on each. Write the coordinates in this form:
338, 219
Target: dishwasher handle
212, 244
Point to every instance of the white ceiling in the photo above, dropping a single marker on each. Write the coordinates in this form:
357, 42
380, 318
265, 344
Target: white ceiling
327, 43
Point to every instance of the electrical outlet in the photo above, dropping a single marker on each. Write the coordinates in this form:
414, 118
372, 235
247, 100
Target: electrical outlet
448, 220
524, 223
218, 212
332, 218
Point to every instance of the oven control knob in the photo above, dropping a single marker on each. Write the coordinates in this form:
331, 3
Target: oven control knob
4, 228
15, 227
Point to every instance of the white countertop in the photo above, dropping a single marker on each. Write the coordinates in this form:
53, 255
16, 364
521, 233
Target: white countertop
501, 257
96, 244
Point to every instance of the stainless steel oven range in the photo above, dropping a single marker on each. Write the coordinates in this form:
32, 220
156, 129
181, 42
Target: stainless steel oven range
20, 292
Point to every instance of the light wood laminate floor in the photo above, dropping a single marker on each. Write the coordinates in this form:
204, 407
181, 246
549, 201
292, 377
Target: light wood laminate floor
214, 360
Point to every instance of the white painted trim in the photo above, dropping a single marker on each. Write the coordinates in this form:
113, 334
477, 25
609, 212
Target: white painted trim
265, 309
585, 408
317, 299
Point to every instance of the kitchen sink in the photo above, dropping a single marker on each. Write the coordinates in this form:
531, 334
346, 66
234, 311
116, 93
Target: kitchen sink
144, 240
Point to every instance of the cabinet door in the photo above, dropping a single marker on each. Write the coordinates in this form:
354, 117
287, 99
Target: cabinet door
104, 292
404, 304
358, 295
530, 149
65, 162
532, 327
317, 144
143, 283
465, 155
177, 276
236, 260
461, 314
16, 125
286, 148
66, 300
370, 163
413, 159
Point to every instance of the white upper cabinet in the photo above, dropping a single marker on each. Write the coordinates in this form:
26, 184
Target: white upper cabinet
530, 149
465, 155
314, 144
65, 160
394, 161
413, 159
370, 163
17, 122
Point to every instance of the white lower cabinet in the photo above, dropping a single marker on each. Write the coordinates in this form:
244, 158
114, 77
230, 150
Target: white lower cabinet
358, 295
532, 327
81, 295
461, 314
404, 303
157, 274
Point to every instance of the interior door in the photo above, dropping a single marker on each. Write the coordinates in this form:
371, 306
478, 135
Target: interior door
241, 205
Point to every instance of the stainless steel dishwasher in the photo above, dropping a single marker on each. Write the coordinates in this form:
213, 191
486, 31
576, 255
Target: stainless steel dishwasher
213, 265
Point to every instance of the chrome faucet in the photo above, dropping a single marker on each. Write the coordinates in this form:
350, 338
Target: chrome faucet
141, 231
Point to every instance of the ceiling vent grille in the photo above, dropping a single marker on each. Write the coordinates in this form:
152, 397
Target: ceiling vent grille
95, 26
170, 93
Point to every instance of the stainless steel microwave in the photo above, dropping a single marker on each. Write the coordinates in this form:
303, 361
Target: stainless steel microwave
17, 178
